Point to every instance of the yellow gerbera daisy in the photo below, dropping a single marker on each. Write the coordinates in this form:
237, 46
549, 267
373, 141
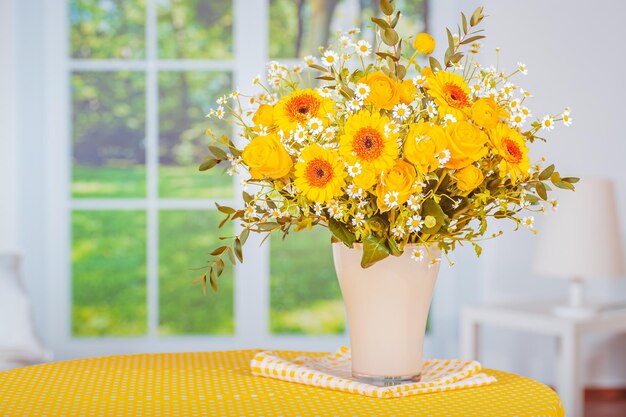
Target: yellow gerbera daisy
320, 175
510, 145
365, 141
300, 106
451, 94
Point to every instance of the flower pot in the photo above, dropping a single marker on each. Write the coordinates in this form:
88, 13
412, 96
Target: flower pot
387, 307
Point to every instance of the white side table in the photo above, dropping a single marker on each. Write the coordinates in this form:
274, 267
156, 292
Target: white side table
538, 318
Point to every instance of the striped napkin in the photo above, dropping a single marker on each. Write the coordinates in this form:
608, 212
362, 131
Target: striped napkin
333, 371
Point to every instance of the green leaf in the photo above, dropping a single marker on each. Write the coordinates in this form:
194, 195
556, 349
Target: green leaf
386, 6
450, 40
390, 36
394, 22
434, 64
213, 279
219, 153
207, 164
381, 22
225, 209
541, 190
374, 250
478, 249
244, 235
238, 249
477, 16
318, 67
219, 250
564, 185
456, 57
571, 180
401, 71
546, 173
325, 78
341, 232
394, 249
268, 226
472, 39
247, 198
464, 23
387, 55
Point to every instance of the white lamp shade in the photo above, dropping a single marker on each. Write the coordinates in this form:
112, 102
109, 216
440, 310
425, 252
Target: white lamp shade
583, 238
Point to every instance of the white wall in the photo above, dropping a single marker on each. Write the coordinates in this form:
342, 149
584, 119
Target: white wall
574, 54
8, 127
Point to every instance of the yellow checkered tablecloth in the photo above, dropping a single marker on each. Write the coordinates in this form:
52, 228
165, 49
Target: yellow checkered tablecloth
220, 384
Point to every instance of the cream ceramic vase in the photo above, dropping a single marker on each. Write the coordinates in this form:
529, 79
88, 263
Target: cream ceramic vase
387, 306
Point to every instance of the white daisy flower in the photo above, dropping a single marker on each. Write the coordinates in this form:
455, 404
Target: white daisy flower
210, 114
525, 111
345, 41
517, 119
522, 68
329, 133
330, 58
354, 170
318, 208
297, 69
507, 90
353, 191
528, 222
514, 104
363, 48
419, 81
414, 223
220, 112
221, 100
414, 202
547, 123
398, 232
443, 157
300, 134
309, 60
358, 220
362, 91
567, 120
325, 92
391, 199
354, 104
315, 125
417, 254
401, 112
525, 93
448, 118
249, 212
431, 109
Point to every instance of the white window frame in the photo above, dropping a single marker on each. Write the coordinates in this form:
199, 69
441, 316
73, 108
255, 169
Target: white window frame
251, 289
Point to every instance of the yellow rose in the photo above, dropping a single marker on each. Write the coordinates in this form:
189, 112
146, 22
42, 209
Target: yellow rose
407, 91
468, 178
486, 112
366, 179
267, 158
263, 116
383, 90
424, 43
396, 185
422, 145
466, 144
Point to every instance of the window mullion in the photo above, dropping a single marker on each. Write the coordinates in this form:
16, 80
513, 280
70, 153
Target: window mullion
152, 167
252, 277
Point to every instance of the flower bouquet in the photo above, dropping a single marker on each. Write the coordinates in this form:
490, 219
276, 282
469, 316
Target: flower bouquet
397, 154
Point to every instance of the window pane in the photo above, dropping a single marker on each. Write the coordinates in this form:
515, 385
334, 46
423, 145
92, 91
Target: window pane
108, 131
304, 294
185, 239
197, 29
298, 28
107, 29
185, 98
108, 273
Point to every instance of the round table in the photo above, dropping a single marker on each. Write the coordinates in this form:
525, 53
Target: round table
220, 384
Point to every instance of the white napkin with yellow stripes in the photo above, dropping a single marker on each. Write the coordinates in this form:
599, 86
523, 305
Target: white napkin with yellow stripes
333, 371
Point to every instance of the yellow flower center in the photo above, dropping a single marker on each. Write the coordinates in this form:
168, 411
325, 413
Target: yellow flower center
368, 143
301, 106
318, 172
455, 96
513, 151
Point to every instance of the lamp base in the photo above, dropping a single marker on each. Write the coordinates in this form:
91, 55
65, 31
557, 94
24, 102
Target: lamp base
577, 312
